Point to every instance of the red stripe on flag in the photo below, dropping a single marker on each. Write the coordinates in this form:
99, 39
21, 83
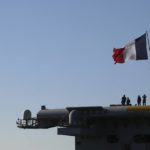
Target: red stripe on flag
118, 55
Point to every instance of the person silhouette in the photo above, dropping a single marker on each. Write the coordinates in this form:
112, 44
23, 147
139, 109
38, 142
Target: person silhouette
128, 101
144, 99
139, 100
123, 100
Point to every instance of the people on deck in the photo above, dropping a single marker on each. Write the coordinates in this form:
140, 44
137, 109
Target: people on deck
140, 100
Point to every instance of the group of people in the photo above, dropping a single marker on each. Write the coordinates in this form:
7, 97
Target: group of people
126, 101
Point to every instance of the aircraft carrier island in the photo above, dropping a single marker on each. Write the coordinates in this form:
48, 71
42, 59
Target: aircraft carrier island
116, 127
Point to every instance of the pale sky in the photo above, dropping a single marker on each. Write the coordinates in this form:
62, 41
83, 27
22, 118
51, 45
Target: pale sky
58, 53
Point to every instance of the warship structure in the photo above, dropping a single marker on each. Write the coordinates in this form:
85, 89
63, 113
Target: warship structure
116, 127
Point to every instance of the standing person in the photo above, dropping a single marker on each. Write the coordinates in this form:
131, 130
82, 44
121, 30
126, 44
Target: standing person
144, 99
139, 100
123, 100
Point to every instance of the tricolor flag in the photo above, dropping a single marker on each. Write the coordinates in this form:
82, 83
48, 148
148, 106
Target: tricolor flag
135, 50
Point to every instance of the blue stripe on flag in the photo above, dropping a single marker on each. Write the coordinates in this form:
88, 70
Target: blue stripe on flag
141, 48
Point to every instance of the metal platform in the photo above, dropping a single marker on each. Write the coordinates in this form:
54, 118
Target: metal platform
95, 127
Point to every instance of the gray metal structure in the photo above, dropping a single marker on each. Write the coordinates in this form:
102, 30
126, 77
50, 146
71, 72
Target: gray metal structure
115, 127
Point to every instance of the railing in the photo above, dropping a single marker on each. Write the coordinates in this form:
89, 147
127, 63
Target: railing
31, 123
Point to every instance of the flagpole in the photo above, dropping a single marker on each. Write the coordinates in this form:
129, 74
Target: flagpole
148, 40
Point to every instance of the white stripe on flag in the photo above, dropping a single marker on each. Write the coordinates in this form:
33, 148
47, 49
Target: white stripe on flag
130, 51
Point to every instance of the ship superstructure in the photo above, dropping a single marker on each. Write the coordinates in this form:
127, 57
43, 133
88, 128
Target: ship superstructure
115, 127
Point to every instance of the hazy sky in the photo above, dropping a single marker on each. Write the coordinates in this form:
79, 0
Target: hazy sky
58, 53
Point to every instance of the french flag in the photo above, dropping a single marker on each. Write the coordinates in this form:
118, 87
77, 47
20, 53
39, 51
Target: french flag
135, 50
